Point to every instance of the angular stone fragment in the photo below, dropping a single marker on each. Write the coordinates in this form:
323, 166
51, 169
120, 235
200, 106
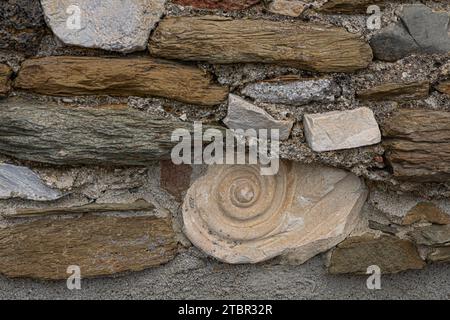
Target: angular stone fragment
61, 135
338, 130
21, 182
292, 8
175, 179
100, 246
418, 144
244, 115
238, 216
225, 40
293, 92
396, 91
218, 4
426, 212
420, 31
439, 255
432, 235
348, 6
115, 25
5, 74
357, 253
66, 75
444, 87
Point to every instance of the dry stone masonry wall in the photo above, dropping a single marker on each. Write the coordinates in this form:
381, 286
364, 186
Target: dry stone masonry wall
87, 114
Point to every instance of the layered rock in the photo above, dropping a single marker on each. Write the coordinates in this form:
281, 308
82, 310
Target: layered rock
218, 4
396, 91
432, 235
293, 91
238, 216
5, 74
426, 212
218, 39
244, 115
123, 26
66, 75
99, 245
417, 143
348, 6
63, 135
338, 130
444, 87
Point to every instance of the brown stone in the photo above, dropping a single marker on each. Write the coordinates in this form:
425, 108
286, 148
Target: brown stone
5, 74
62, 76
428, 212
98, 245
418, 144
444, 87
218, 4
225, 40
441, 254
396, 91
432, 235
357, 253
348, 6
175, 179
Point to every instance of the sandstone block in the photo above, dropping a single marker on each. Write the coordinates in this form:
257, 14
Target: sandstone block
396, 91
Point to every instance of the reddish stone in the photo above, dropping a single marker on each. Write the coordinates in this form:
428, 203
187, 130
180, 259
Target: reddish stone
218, 4
175, 179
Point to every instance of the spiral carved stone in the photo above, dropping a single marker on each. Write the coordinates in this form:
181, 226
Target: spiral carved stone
239, 216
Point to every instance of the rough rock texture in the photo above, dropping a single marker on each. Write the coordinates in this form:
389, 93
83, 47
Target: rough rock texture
348, 6
5, 74
439, 255
21, 182
293, 92
45, 248
175, 179
244, 115
357, 253
49, 133
396, 91
22, 25
291, 8
426, 212
119, 77
432, 235
218, 4
117, 25
444, 87
225, 40
338, 130
418, 144
420, 31
238, 216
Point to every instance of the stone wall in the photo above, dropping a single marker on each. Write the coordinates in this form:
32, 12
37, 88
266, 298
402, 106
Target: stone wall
85, 139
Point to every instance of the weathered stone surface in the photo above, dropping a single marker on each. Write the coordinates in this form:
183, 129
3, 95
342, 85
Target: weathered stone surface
138, 206
420, 31
238, 216
218, 4
439, 255
396, 91
225, 40
175, 179
293, 92
292, 8
444, 87
119, 77
357, 253
117, 25
5, 74
348, 6
426, 212
45, 248
432, 235
68, 135
418, 144
338, 130
22, 25
244, 115
21, 182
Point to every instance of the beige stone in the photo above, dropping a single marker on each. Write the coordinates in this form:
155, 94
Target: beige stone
428, 212
5, 74
292, 8
238, 216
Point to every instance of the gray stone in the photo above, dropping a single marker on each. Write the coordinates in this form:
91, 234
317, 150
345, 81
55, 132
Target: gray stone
420, 31
115, 25
244, 115
339, 130
298, 92
21, 182
432, 235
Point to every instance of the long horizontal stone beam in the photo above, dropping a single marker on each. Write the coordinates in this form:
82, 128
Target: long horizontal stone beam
225, 40
62, 135
67, 75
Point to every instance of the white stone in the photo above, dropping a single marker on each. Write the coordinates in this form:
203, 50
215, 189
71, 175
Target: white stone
339, 130
244, 115
115, 25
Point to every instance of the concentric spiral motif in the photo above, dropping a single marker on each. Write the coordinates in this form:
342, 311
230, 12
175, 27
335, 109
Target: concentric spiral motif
239, 216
